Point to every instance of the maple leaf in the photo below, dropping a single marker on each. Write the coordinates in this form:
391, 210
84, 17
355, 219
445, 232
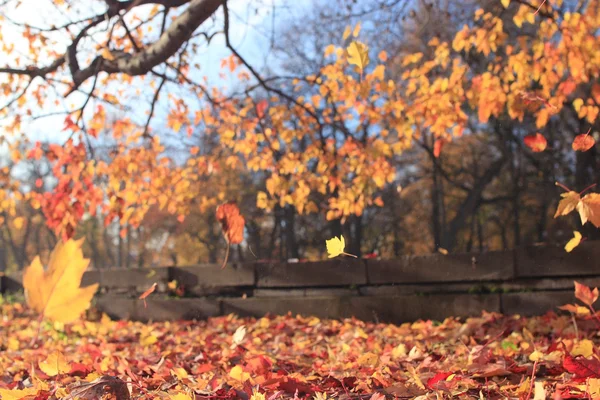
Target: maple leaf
586, 295
582, 367
55, 292
589, 209
55, 364
574, 242
358, 54
579, 311
335, 247
536, 142
583, 142
568, 203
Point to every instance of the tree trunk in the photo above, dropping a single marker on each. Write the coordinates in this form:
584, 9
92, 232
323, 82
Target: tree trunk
291, 244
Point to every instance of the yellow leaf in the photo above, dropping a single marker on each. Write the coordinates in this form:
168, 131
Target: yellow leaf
505, 3
179, 396
584, 348
55, 292
368, 360
6, 394
358, 54
356, 30
180, 373
589, 209
574, 242
106, 54
148, 340
55, 364
577, 104
18, 222
239, 374
567, 204
347, 32
335, 246
256, 395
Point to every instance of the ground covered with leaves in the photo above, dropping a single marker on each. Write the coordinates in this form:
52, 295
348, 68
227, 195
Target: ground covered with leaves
491, 356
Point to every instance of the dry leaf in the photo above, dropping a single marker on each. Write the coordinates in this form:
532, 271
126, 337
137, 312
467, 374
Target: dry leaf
537, 142
335, 247
574, 242
586, 295
583, 142
55, 292
147, 293
358, 54
55, 364
232, 224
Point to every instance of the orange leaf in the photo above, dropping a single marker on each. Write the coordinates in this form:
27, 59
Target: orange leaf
537, 143
589, 209
438, 146
261, 107
232, 222
586, 295
147, 293
583, 142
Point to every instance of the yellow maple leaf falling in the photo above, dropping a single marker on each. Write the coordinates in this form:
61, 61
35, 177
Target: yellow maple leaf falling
55, 292
587, 206
574, 242
335, 247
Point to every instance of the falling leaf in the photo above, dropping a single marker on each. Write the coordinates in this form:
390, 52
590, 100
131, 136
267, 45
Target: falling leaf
55, 292
505, 3
574, 242
568, 203
147, 293
579, 311
583, 142
536, 142
232, 225
586, 295
335, 247
589, 209
358, 54
443, 251
55, 364
238, 336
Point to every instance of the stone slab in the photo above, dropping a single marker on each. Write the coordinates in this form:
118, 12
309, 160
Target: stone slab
176, 309
490, 266
344, 271
198, 279
393, 309
546, 261
323, 292
321, 307
408, 308
136, 279
536, 303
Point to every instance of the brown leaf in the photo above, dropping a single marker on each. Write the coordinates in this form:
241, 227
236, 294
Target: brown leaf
100, 388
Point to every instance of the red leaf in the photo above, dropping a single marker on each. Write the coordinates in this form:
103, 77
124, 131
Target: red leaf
537, 143
582, 367
583, 142
439, 377
261, 107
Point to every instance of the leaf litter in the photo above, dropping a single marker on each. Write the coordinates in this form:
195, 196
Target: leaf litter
491, 356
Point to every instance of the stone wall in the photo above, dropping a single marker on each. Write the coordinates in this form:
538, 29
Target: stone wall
527, 281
